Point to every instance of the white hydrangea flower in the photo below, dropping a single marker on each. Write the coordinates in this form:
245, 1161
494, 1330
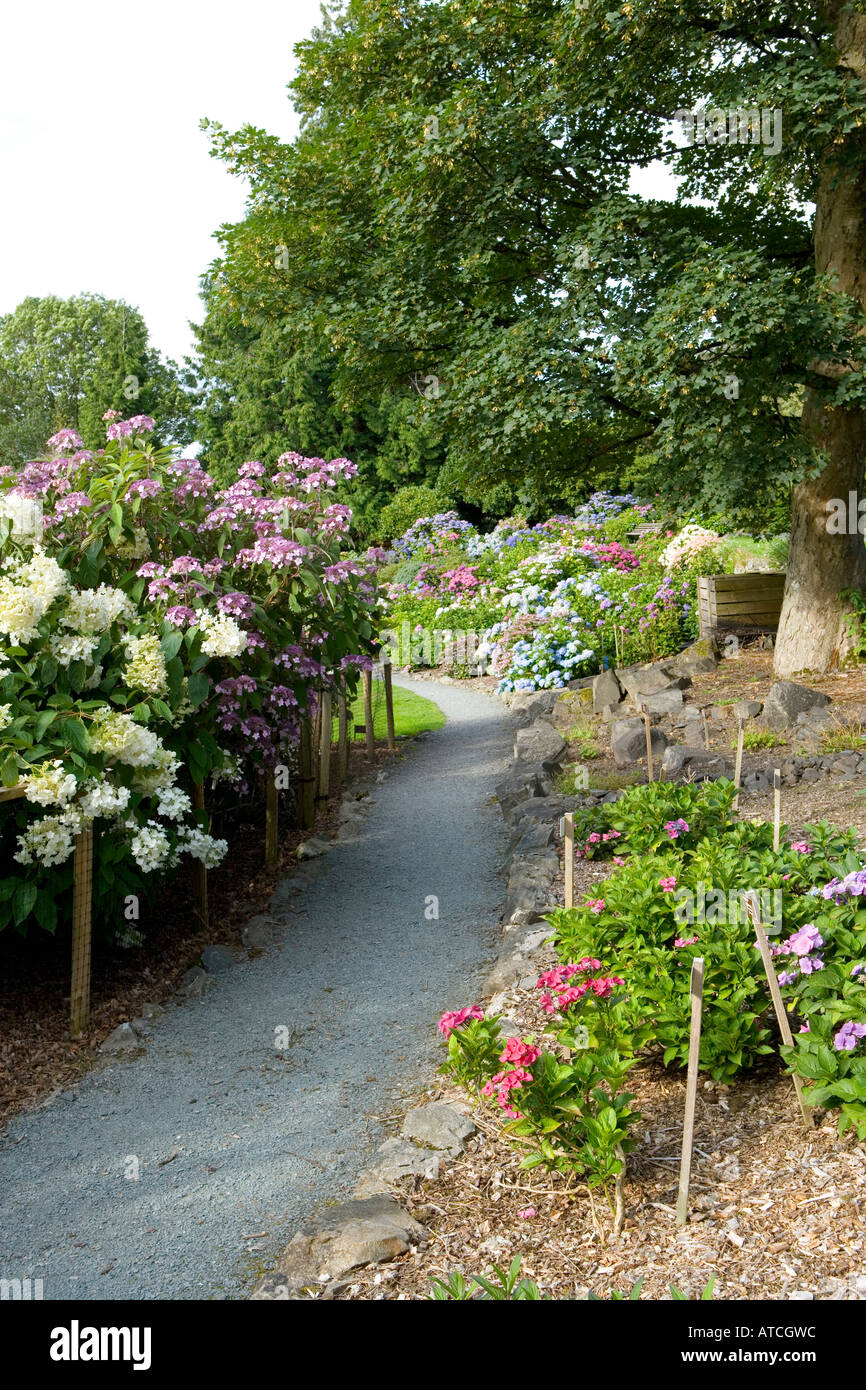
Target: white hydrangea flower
92, 611
199, 845
66, 648
145, 669
222, 637
5, 715
48, 784
161, 775
135, 549
150, 847
94, 678
49, 841
173, 803
119, 736
102, 799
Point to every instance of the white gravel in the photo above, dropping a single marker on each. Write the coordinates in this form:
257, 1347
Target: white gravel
232, 1136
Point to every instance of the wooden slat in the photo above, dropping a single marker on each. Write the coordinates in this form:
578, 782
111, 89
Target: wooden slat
11, 793
766, 580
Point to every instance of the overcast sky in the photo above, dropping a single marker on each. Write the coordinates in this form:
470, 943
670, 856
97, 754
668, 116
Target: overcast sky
108, 184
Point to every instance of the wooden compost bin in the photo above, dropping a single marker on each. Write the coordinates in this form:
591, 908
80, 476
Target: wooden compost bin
731, 601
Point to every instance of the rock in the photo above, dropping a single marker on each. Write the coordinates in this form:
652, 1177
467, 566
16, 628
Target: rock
757, 781
800, 1296
612, 712
540, 743
312, 848
529, 705
606, 690
720, 712
194, 983
367, 1230
747, 709
640, 681
440, 1126
695, 763
216, 958
571, 706
786, 700
815, 720
665, 702
691, 661
540, 836
628, 741
539, 808
121, 1039
397, 1159
258, 932
810, 774
520, 786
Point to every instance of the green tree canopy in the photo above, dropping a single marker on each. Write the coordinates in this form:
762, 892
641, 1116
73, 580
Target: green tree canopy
457, 211
64, 362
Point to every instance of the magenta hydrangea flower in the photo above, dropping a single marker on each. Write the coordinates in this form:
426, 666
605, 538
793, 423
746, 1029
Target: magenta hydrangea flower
449, 1022
848, 1036
63, 441
677, 827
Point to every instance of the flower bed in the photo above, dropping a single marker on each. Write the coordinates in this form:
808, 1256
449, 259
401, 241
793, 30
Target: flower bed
158, 631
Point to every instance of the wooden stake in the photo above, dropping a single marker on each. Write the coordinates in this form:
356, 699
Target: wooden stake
389, 707
82, 899
616, 642
368, 715
705, 728
306, 809
777, 806
569, 858
649, 743
738, 767
696, 989
342, 736
272, 820
200, 904
325, 746
776, 995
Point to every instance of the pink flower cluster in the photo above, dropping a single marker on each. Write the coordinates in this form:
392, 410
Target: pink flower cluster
566, 994
451, 1021
676, 828
504, 1082
685, 941
668, 884
597, 839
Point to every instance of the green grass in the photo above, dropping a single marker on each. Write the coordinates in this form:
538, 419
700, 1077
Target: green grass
413, 714
759, 738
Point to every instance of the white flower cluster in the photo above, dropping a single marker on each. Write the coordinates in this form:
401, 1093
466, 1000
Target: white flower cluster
686, 544
150, 846
173, 803
27, 590
135, 549
91, 611
151, 781
49, 841
49, 784
66, 648
5, 715
222, 637
102, 799
204, 847
119, 736
145, 668
25, 513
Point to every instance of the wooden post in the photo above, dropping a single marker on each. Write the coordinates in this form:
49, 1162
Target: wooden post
325, 747
342, 736
616, 642
200, 905
389, 707
696, 989
82, 897
569, 858
738, 766
306, 809
368, 715
776, 995
705, 728
777, 806
272, 820
649, 743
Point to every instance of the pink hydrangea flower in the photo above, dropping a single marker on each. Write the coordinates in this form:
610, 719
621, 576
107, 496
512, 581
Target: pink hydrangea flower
449, 1022
668, 884
685, 941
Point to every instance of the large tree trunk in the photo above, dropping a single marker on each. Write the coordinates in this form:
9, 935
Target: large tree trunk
824, 559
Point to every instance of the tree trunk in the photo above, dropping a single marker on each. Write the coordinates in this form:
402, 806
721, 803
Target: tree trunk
825, 558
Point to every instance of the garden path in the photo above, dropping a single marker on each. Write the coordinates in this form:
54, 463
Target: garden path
231, 1136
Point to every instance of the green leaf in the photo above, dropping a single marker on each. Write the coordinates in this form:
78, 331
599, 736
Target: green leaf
23, 900
198, 687
77, 735
9, 770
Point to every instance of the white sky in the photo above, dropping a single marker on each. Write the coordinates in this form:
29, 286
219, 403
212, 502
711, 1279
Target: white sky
108, 183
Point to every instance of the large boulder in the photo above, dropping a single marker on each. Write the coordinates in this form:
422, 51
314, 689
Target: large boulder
541, 808
695, 763
628, 741
692, 661
539, 743
522, 783
786, 700
439, 1126
606, 690
571, 706
664, 702
747, 709
370, 1230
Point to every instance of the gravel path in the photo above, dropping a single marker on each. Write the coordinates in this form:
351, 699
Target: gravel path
234, 1137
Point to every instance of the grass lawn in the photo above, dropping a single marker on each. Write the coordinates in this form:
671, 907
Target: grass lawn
412, 713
